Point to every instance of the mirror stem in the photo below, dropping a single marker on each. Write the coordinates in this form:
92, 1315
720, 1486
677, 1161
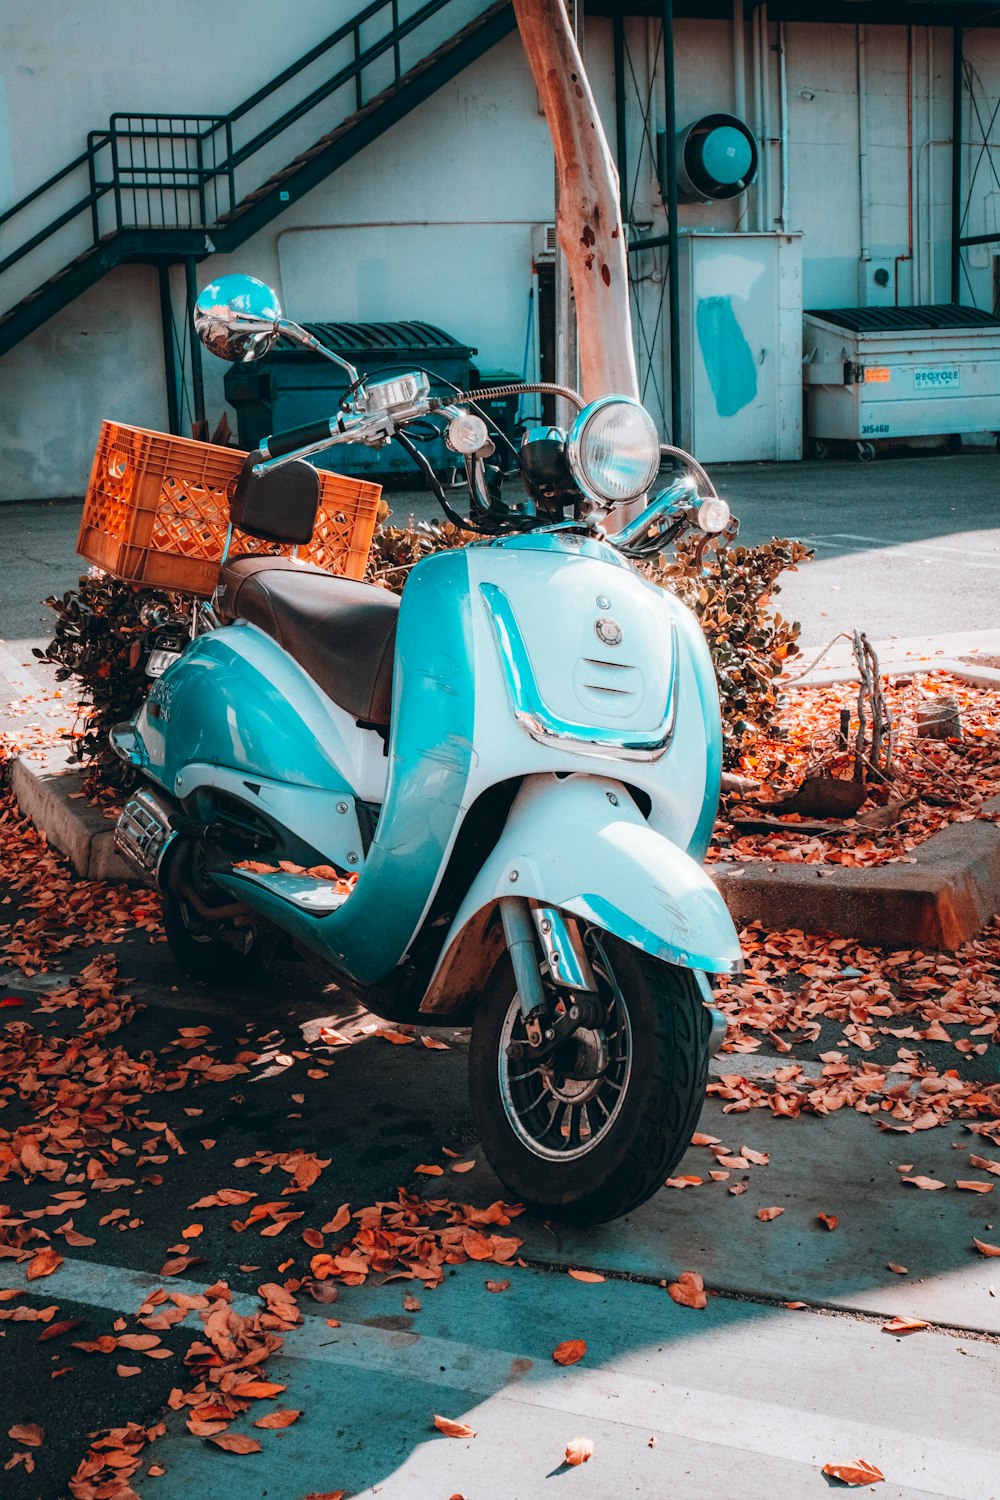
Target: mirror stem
300, 336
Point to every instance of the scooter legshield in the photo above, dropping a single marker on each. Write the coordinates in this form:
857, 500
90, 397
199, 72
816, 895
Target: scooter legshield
580, 843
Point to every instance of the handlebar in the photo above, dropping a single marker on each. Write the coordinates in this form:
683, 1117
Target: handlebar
280, 444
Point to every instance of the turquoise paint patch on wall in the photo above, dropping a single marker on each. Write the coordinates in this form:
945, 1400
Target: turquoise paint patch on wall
732, 373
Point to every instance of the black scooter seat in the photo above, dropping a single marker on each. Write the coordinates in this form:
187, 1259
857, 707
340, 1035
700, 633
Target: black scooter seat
343, 633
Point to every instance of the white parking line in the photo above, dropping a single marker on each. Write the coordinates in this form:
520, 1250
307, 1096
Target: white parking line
836, 541
627, 1391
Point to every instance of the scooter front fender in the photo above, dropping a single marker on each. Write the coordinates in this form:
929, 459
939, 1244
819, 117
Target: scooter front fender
580, 843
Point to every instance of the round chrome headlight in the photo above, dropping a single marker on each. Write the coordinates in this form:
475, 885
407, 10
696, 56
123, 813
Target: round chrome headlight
614, 449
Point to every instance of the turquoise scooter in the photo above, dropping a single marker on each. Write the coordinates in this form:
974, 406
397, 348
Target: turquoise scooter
501, 786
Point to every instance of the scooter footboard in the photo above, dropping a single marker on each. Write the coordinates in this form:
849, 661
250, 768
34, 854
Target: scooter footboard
580, 843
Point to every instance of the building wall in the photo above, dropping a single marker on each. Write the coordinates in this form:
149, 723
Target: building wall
433, 220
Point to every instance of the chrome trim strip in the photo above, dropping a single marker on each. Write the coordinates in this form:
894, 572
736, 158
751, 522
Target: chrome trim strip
563, 948
538, 720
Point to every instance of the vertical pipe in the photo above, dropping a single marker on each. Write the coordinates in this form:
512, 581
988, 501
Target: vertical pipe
758, 124
567, 343
910, 78
621, 140
765, 124
956, 162
169, 358
931, 279
199, 424
863, 187
673, 269
783, 103
739, 63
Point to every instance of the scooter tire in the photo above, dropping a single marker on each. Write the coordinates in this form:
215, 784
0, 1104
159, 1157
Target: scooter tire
670, 1030
202, 956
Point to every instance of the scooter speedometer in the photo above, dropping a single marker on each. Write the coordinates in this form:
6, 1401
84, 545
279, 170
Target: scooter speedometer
614, 449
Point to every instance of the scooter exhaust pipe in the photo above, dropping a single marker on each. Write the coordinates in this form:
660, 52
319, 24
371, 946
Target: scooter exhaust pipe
144, 835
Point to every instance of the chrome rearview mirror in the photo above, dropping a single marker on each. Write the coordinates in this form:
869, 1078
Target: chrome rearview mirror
238, 318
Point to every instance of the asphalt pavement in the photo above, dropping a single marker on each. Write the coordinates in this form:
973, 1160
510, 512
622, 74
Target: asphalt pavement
750, 1396
906, 546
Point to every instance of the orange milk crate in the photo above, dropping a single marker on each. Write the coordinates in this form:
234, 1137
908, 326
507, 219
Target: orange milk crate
157, 512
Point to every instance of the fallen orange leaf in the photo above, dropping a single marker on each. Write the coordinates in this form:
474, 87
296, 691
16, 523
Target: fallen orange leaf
235, 1442
433, 1045
339, 1221
453, 1429
258, 1389
830, 1220
28, 1433
985, 1249
930, 1184
398, 1038
688, 1290
570, 1352
899, 1270
971, 1186
43, 1264
463, 1166
433, 1170
497, 1286
904, 1325
861, 1472
795, 1306
126, 1370
765, 1215
584, 1275
411, 1303
578, 1450
313, 1239
278, 1419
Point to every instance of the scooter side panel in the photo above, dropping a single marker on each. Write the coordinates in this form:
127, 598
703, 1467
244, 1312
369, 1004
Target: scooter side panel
430, 756
581, 844
236, 699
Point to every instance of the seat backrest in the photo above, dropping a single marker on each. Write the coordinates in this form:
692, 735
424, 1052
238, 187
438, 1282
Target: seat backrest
279, 505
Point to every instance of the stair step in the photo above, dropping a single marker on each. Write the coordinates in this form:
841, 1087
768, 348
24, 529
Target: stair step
316, 897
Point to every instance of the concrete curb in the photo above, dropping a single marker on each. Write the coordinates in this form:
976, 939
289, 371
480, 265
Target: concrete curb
50, 792
941, 900
976, 676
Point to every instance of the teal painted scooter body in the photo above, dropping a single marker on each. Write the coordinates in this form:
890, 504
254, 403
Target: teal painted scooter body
474, 706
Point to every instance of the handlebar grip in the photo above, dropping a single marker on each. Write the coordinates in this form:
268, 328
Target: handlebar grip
280, 443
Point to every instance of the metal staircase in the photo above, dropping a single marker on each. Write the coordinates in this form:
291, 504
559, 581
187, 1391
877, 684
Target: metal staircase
158, 189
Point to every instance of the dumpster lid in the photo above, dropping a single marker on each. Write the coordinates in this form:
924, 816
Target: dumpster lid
891, 319
363, 341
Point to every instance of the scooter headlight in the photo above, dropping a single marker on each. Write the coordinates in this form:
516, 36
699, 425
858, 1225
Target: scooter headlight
614, 449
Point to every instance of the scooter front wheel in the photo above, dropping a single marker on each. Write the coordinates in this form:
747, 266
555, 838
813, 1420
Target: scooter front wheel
590, 1132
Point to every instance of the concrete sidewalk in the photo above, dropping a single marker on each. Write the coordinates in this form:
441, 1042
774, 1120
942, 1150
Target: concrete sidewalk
746, 1397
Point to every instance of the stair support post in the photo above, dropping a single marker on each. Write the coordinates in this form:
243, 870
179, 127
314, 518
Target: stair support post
169, 355
199, 424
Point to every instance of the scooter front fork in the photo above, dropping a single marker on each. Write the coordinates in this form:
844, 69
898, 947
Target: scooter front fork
525, 927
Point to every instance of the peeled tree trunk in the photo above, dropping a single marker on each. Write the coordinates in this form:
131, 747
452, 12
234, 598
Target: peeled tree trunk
589, 223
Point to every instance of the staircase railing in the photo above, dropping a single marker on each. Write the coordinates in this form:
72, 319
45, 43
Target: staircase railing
179, 172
